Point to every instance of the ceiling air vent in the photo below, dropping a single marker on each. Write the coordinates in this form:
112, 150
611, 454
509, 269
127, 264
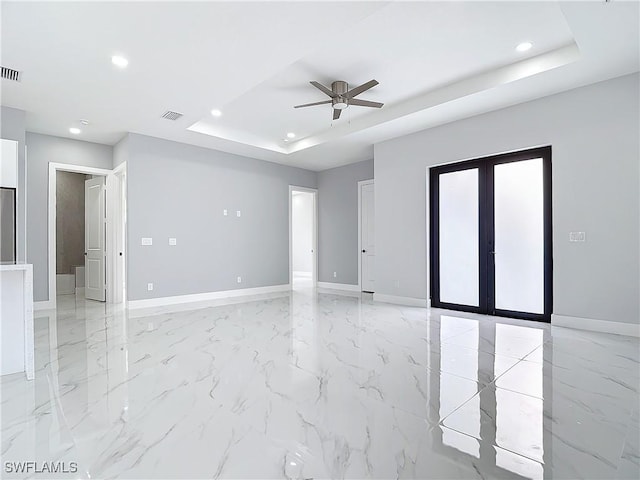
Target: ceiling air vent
10, 74
169, 115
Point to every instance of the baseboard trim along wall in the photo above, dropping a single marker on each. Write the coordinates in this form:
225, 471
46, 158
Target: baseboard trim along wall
43, 305
408, 301
339, 286
203, 297
593, 325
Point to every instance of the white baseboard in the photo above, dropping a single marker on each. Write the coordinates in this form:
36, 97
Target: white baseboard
339, 286
203, 297
44, 305
409, 301
593, 325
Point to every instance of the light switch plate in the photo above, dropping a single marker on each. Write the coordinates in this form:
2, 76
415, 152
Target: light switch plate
146, 241
239, 280
238, 213
149, 286
172, 241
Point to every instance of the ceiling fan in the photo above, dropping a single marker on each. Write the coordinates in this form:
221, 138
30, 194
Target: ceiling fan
342, 97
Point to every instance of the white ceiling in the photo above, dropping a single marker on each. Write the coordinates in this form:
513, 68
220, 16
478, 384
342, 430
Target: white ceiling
436, 62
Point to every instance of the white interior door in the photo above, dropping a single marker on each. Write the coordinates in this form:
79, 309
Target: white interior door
121, 242
94, 238
367, 239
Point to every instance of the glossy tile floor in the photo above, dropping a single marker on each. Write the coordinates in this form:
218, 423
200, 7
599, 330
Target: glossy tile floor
321, 385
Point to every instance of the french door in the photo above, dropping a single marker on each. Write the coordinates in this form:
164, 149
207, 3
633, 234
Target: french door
490, 235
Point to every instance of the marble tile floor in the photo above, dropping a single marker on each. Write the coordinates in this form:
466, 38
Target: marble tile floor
315, 384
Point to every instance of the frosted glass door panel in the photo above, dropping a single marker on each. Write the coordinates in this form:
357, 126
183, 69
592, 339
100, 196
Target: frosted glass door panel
519, 236
458, 237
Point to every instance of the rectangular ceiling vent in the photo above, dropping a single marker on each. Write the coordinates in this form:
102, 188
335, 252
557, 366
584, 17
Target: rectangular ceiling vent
10, 74
169, 115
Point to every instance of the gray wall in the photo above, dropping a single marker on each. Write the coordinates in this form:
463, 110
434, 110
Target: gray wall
12, 127
178, 190
69, 221
121, 151
593, 131
43, 149
338, 221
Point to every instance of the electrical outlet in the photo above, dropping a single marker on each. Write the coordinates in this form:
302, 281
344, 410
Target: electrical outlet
149, 286
225, 213
577, 237
397, 283
146, 241
335, 274
239, 280
173, 241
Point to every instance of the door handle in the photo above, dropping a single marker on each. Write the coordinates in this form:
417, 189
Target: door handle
364, 251
85, 254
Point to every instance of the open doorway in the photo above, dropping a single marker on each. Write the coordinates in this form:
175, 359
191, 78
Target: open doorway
70, 233
87, 227
302, 238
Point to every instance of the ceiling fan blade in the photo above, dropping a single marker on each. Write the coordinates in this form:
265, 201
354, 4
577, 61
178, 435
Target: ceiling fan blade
365, 103
323, 89
336, 113
313, 104
358, 90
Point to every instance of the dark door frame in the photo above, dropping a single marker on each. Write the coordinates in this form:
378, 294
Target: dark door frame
486, 231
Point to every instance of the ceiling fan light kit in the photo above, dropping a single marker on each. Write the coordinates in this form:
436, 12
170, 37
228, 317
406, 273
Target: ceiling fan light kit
342, 97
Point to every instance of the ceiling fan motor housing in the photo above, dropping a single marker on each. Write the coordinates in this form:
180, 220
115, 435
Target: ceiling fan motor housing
342, 97
340, 88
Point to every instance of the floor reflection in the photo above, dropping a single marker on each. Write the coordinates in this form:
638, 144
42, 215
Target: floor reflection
492, 429
319, 384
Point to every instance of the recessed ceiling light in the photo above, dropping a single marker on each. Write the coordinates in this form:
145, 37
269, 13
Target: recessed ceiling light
216, 113
524, 46
119, 61
74, 130
291, 135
